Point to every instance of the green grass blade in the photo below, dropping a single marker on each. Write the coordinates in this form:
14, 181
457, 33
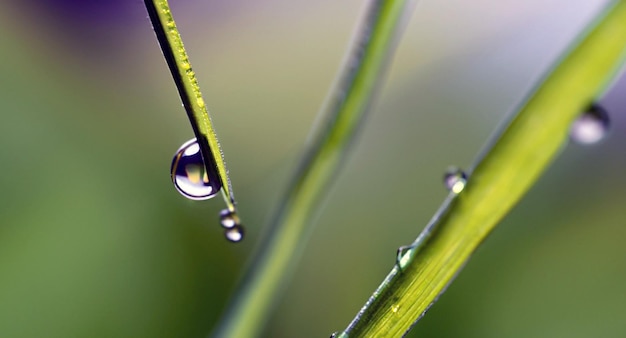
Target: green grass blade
501, 176
348, 102
189, 90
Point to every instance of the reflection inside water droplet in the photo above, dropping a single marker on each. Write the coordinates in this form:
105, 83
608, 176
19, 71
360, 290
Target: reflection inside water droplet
234, 234
189, 173
455, 179
591, 126
229, 218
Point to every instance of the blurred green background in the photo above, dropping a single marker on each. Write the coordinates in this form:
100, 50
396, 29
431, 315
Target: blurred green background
96, 242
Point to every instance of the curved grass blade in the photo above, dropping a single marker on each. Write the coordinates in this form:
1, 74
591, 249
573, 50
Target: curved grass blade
345, 110
502, 174
187, 85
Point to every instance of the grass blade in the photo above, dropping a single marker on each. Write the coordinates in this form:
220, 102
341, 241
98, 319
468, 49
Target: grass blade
500, 177
347, 105
189, 90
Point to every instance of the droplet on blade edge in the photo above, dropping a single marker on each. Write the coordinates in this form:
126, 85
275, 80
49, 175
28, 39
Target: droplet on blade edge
455, 179
591, 126
189, 173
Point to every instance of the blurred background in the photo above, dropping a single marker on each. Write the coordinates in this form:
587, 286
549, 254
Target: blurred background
96, 242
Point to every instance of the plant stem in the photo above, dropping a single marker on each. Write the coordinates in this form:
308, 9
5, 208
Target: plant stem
346, 107
501, 175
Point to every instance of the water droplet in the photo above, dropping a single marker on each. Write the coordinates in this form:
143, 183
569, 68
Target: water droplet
189, 173
334, 335
234, 234
455, 179
591, 126
229, 219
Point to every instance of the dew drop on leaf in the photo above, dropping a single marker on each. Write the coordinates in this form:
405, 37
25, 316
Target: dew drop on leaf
234, 234
591, 126
189, 173
229, 219
455, 179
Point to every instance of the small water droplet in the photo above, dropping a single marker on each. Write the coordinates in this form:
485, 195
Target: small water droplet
455, 179
229, 219
405, 254
395, 308
334, 335
189, 173
591, 126
234, 234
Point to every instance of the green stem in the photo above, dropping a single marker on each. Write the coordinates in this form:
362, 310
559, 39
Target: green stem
502, 175
346, 108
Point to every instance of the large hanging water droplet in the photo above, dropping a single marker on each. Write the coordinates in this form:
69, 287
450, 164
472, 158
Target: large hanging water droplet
229, 219
189, 173
234, 234
455, 179
591, 126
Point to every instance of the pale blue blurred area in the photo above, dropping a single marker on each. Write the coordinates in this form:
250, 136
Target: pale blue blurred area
96, 242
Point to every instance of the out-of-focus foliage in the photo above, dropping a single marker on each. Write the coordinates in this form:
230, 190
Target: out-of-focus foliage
94, 240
